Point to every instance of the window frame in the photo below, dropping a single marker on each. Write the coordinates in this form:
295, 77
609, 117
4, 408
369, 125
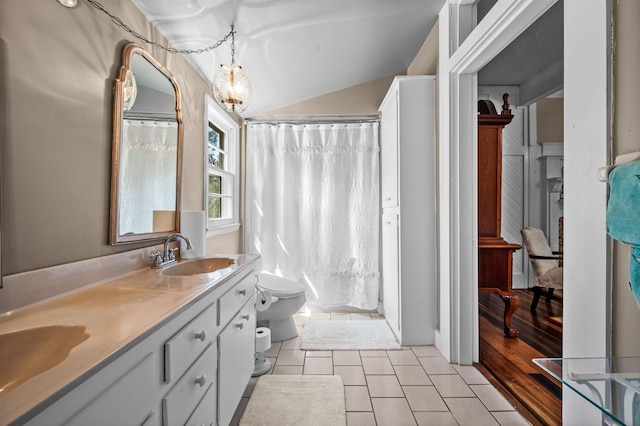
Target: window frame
230, 130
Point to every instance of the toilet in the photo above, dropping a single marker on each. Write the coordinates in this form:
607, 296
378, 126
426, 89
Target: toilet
287, 298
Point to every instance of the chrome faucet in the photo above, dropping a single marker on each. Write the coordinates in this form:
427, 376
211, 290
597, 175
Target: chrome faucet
167, 257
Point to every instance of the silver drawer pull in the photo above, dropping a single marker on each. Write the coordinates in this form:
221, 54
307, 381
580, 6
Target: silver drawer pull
201, 380
242, 292
245, 317
240, 325
202, 335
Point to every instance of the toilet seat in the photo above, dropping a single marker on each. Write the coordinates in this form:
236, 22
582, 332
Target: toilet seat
279, 287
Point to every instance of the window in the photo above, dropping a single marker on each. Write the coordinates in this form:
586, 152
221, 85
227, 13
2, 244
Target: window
221, 170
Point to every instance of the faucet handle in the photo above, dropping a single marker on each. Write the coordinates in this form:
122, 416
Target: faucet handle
157, 262
171, 255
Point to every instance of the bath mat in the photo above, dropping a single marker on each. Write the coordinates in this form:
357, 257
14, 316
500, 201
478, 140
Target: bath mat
348, 335
296, 400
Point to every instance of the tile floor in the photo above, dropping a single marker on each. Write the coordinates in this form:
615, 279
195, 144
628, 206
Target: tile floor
413, 386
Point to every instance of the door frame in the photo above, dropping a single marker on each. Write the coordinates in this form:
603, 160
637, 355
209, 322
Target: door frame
464, 50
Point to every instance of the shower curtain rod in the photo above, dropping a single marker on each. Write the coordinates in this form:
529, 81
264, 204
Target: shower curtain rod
313, 120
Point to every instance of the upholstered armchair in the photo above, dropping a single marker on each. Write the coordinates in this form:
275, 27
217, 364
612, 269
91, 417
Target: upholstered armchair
548, 272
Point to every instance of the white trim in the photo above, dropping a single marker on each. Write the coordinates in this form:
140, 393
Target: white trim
216, 115
587, 272
223, 229
502, 24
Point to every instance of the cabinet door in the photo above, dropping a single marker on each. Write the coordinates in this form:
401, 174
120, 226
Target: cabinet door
389, 154
236, 360
391, 272
129, 393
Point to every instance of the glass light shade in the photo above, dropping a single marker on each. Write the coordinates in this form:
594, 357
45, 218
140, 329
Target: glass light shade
232, 88
129, 91
68, 3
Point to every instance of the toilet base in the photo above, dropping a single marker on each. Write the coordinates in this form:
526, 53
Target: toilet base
283, 329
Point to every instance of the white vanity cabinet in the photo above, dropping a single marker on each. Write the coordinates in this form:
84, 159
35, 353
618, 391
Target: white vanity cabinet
236, 362
176, 375
408, 192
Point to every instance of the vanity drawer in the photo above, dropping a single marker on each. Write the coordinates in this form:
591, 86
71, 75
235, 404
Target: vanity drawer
181, 400
184, 347
231, 302
205, 412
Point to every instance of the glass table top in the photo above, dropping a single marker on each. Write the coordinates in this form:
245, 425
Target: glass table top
611, 384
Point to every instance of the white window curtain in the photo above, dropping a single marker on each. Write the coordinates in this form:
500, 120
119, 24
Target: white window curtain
313, 208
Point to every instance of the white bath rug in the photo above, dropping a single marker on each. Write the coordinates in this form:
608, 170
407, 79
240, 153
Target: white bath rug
348, 335
296, 400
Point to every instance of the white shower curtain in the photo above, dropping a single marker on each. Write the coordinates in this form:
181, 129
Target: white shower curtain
148, 159
313, 208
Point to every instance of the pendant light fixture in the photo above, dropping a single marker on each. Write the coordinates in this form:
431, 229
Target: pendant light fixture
231, 87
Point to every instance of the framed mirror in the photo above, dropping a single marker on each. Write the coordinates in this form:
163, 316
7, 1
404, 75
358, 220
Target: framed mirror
146, 165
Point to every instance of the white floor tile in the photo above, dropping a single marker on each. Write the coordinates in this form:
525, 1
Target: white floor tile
346, 358
451, 385
392, 412
470, 412
377, 366
384, 387
424, 398
491, 398
411, 375
352, 375
471, 375
318, 366
357, 398
415, 385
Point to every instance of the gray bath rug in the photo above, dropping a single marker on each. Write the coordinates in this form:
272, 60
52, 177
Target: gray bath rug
296, 400
348, 335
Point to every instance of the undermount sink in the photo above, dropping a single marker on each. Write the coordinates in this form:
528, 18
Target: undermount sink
198, 266
26, 353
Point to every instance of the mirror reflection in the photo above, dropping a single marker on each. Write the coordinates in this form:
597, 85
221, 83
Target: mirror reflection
145, 196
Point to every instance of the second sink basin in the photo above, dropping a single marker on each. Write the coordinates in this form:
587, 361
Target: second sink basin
198, 266
26, 353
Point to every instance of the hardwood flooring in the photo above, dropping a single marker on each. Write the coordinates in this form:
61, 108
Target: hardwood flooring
508, 360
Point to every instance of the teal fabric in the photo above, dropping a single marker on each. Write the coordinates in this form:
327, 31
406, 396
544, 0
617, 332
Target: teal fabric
634, 272
623, 215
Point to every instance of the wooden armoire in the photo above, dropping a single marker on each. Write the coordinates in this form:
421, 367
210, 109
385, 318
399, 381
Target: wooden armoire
495, 255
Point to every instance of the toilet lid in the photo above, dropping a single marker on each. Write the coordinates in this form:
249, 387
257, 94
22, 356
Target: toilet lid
278, 286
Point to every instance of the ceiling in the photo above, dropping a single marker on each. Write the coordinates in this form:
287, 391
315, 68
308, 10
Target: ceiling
293, 50
533, 61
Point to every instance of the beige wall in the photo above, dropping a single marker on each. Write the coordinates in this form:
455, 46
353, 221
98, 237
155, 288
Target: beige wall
426, 61
626, 138
359, 100
550, 120
57, 67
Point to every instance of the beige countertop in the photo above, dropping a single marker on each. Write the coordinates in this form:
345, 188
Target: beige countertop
116, 313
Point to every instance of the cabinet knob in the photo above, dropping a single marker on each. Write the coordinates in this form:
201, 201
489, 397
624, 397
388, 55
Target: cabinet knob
242, 292
202, 335
240, 325
201, 380
245, 317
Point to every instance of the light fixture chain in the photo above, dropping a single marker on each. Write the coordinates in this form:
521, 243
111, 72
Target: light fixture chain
144, 39
233, 45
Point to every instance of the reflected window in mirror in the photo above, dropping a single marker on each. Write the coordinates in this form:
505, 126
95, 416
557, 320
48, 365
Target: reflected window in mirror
222, 167
146, 150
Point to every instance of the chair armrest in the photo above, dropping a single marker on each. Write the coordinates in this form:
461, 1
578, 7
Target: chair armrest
533, 256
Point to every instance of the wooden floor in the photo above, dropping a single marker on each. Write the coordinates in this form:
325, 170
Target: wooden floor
509, 359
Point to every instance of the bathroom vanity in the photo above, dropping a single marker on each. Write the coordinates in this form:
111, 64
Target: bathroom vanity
158, 349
